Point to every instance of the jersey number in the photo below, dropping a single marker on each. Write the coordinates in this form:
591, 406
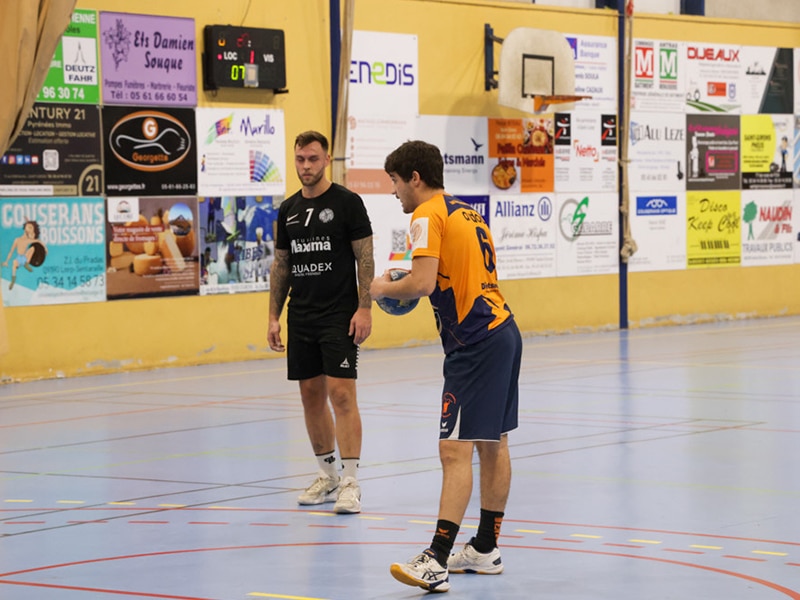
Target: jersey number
486, 249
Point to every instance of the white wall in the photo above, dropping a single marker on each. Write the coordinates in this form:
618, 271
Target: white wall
763, 10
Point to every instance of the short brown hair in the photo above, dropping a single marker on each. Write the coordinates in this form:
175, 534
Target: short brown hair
309, 137
419, 156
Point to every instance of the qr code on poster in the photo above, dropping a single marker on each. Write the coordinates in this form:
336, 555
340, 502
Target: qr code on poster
50, 160
399, 240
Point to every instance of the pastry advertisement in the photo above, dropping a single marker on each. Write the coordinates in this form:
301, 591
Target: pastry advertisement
152, 247
521, 155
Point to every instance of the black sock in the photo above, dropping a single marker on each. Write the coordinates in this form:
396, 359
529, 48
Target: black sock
443, 540
488, 531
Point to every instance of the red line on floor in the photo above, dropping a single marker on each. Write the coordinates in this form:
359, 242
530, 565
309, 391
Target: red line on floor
560, 540
769, 584
622, 545
750, 558
102, 590
683, 551
149, 522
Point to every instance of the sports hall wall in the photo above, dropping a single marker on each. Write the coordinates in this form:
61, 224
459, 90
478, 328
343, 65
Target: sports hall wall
66, 340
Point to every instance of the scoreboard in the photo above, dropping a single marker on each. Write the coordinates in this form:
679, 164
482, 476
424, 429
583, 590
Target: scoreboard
244, 57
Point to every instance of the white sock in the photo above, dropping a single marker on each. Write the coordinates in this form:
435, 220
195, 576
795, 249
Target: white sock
350, 468
327, 464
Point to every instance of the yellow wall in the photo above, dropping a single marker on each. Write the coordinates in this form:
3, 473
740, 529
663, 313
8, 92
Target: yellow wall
51, 341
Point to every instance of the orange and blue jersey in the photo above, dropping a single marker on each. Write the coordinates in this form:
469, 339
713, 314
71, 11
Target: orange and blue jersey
467, 301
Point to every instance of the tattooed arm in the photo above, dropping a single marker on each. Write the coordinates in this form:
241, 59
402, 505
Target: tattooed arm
278, 291
361, 323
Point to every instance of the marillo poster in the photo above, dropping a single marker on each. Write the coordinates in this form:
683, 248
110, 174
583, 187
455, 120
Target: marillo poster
241, 152
52, 250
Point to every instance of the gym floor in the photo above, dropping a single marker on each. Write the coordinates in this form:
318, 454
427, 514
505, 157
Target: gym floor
649, 464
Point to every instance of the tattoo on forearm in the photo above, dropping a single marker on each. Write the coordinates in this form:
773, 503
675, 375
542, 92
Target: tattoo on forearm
278, 282
366, 269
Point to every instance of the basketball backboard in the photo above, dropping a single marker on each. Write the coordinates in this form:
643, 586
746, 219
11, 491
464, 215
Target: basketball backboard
537, 69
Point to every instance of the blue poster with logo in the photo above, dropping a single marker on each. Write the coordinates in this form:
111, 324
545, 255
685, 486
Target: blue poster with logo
52, 250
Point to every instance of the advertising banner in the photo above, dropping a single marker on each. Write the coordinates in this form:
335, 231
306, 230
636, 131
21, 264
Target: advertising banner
524, 230
658, 77
465, 152
237, 244
522, 155
768, 235
712, 151
57, 153
658, 225
241, 151
713, 229
768, 80
588, 234
766, 152
149, 151
657, 152
152, 247
74, 74
148, 60
713, 77
383, 105
585, 152
53, 250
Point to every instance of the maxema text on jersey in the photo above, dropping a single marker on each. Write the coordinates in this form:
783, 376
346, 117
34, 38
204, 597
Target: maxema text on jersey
381, 73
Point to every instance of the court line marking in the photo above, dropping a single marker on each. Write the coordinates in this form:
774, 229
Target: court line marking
793, 595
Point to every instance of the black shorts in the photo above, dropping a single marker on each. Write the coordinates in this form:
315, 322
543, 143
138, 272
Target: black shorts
315, 348
480, 399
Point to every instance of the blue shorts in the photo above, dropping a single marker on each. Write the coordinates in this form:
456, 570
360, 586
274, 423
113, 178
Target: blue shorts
480, 399
314, 349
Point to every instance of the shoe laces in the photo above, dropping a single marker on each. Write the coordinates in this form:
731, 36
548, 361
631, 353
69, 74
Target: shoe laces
422, 559
320, 484
348, 489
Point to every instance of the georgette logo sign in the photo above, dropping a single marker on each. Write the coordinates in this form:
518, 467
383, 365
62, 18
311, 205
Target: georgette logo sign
149, 141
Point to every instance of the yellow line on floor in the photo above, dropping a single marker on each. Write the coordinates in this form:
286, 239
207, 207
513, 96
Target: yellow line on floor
528, 531
264, 595
635, 541
770, 553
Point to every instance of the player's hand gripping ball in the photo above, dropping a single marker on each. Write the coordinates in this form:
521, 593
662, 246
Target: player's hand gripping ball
397, 307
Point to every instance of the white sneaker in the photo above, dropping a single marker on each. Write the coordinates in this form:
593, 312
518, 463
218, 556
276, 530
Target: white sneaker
349, 497
422, 571
324, 489
469, 560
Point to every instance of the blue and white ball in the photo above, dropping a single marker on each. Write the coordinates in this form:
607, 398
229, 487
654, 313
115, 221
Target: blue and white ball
397, 307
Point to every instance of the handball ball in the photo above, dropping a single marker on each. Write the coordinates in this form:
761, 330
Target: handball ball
397, 307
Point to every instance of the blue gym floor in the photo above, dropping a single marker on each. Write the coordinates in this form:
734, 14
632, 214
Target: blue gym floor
649, 464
